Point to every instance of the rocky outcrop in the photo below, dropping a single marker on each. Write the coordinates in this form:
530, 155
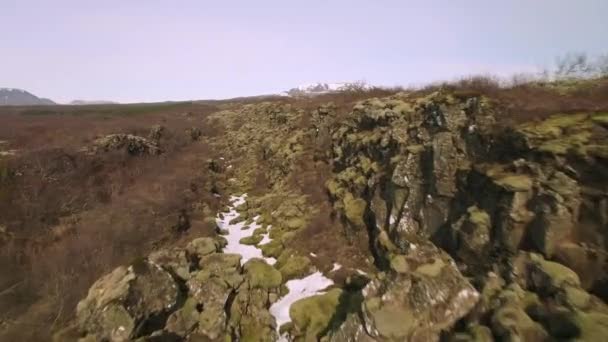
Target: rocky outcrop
477, 232
132, 144
422, 295
416, 173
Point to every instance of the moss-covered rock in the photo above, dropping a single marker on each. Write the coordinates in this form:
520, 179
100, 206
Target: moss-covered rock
402, 306
262, 275
272, 248
311, 316
295, 266
512, 323
251, 240
354, 209
202, 246
551, 276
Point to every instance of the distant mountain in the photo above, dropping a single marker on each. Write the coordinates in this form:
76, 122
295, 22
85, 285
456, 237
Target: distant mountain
19, 97
94, 102
318, 88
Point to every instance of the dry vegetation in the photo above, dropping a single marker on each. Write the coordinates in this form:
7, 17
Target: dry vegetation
71, 216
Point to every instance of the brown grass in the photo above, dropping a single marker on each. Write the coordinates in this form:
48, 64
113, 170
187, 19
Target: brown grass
74, 217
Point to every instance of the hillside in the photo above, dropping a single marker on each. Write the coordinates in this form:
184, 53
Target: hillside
458, 212
18, 97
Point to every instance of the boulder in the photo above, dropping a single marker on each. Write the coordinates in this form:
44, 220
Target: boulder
132, 144
127, 301
418, 304
312, 316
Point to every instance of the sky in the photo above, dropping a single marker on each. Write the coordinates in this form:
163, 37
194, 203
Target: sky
159, 50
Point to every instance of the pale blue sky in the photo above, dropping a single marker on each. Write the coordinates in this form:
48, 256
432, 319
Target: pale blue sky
153, 50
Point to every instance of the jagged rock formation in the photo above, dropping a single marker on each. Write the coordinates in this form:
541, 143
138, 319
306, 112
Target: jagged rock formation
132, 144
413, 169
475, 231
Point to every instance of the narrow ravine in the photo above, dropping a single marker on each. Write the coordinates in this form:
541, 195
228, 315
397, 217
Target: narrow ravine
311, 285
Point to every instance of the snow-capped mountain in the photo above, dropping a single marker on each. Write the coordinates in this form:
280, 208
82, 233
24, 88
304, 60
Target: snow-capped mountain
318, 88
91, 102
19, 97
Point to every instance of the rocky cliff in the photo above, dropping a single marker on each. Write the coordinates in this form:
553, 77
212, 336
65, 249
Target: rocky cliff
425, 216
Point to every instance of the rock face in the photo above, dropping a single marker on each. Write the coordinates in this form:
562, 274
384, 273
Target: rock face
417, 173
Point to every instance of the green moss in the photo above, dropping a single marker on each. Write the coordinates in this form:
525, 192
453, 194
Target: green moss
593, 326
594, 150
415, 148
514, 182
311, 316
254, 331
334, 188
566, 144
259, 231
295, 223
272, 249
399, 264
251, 240
600, 118
553, 127
431, 270
286, 237
564, 120
478, 217
262, 275
202, 246
480, 333
577, 297
512, 323
295, 267
354, 208
558, 274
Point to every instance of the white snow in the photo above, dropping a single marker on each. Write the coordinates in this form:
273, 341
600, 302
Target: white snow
391, 219
361, 272
298, 289
236, 233
336, 267
265, 239
313, 255
324, 88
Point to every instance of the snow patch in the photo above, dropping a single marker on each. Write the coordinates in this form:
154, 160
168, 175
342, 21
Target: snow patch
298, 289
236, 232
391, 220
336, 267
